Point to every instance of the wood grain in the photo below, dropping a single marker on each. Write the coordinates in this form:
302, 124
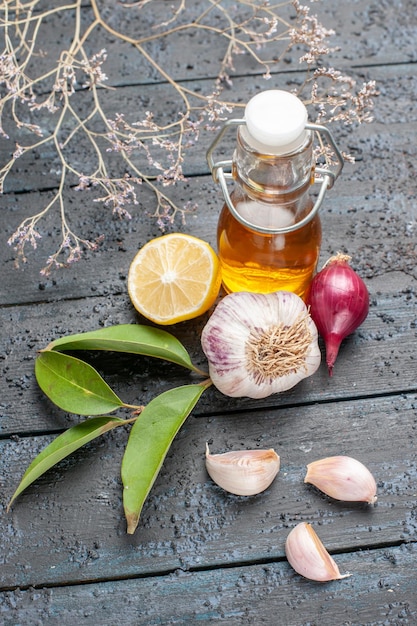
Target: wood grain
379, 592
200, 555
188, 521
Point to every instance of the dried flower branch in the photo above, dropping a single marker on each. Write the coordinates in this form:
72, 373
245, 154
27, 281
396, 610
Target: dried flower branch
40, 98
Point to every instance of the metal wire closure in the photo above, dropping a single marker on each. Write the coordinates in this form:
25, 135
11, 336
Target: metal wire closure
325, 177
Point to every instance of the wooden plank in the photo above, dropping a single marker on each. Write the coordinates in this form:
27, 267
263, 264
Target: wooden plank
27, 177
378, 358
373, 221
382, 35
370, 204
184, 52
42, 169
68, 527
380, 591
199, 554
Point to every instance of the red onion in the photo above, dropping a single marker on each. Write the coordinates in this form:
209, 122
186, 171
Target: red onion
339, 303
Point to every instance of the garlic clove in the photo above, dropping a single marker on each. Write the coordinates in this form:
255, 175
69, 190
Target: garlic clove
342, 478
243, 472
308, 557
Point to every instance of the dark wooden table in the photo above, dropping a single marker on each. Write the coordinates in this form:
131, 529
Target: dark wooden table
200, 555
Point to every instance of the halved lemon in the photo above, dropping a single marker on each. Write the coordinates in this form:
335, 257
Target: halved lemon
173, 278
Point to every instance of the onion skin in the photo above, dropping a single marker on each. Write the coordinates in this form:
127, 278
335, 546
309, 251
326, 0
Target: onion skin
339, 303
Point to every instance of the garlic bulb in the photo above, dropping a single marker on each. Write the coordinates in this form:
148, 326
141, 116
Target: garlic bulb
308, 556
243, 472
342, 478
259, 344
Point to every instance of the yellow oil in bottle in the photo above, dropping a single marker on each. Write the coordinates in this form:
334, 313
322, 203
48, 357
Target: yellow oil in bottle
258, 262
269, 231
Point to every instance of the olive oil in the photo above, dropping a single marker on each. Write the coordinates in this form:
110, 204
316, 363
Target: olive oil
269, 231
263, 262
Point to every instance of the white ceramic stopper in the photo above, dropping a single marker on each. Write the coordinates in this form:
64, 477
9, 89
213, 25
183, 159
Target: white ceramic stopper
275, 121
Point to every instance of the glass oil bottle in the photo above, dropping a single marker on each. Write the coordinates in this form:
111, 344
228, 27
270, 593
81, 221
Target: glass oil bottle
269, 230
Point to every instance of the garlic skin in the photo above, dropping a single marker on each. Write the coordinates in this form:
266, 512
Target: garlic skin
342, 478
258, 344
243, 472
308, 557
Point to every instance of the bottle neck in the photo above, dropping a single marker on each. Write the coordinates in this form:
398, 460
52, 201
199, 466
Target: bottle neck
273, 178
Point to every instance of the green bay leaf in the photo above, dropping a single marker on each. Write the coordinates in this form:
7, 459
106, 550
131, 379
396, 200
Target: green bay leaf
73, 385
149, 442
63, 446
129, 338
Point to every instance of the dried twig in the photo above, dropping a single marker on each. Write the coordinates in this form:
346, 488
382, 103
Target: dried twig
151, 152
